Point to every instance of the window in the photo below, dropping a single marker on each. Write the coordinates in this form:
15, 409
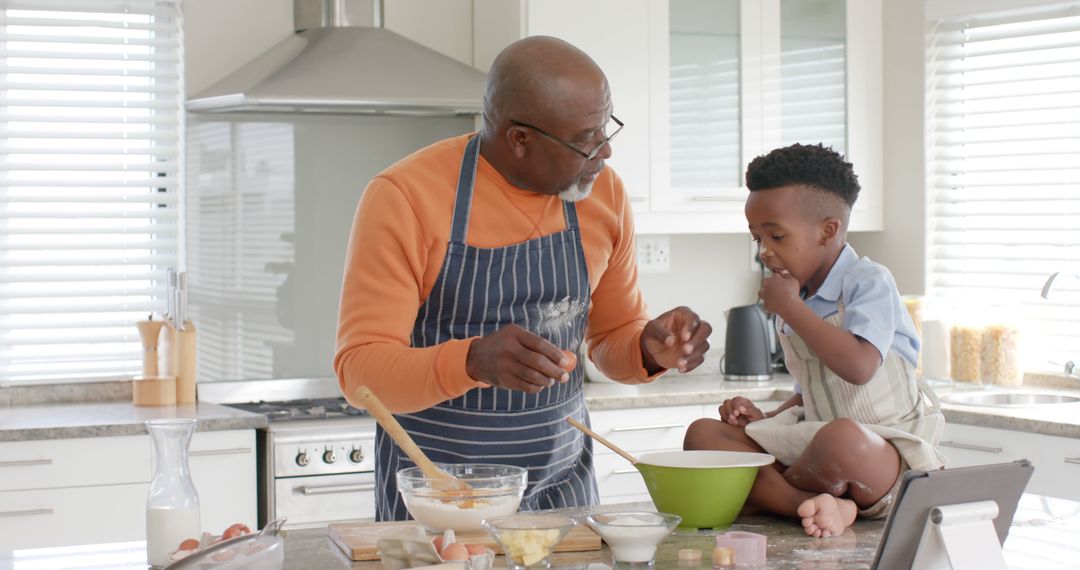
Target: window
1003, 102
90, 131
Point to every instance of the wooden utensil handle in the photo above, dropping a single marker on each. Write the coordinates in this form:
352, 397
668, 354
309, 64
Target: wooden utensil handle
398, 433
602, 440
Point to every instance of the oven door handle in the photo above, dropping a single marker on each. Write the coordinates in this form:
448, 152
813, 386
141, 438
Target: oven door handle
309, 490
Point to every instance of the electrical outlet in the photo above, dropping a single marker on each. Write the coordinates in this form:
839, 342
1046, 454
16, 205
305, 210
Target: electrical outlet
653, 253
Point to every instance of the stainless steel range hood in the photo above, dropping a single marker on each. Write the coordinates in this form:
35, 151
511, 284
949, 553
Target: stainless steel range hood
329, 66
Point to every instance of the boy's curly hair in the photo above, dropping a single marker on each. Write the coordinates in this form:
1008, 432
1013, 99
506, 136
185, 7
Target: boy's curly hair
815, 165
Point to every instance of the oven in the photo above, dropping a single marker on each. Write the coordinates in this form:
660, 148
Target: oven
316, 457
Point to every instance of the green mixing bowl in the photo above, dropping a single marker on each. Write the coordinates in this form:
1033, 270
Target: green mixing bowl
706, 488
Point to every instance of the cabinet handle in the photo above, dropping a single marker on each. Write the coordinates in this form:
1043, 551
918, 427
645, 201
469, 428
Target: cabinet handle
332, 489
716, 199
1073, 460
25, 462
26, 513
643, 428
638, 199
233, 451
970, 447
624, 471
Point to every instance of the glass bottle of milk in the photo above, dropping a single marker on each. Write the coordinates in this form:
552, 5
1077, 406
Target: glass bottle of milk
172, 507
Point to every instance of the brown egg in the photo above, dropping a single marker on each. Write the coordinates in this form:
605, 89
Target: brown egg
437, 543
189, 544
475, 549
573, 360
455, 551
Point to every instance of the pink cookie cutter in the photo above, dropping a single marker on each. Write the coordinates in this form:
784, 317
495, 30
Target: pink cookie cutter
749, 547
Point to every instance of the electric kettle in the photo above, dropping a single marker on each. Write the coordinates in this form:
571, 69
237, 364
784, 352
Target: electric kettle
750, 345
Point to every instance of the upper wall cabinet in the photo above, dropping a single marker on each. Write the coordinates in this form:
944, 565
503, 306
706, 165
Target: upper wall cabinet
704, 86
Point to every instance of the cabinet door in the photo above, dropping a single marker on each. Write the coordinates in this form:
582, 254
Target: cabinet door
223, 471
615, 33
706, 89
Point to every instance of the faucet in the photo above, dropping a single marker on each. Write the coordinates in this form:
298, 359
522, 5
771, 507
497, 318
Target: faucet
1071, 368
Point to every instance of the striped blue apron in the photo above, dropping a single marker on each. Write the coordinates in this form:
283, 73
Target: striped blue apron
542, 286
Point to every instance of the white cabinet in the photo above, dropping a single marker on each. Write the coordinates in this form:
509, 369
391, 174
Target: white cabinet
704, 86
638, 431
620, 35
82, 491
1056, 459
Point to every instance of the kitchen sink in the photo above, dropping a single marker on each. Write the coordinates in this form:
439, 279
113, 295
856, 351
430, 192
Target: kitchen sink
1010, 399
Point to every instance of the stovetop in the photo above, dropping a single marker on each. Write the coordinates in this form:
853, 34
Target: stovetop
302, 409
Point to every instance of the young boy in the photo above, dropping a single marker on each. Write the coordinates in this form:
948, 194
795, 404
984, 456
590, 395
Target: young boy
859, 417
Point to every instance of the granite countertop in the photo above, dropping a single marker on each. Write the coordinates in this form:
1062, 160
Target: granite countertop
1061, 420
1042, 536
26, 415
99, 419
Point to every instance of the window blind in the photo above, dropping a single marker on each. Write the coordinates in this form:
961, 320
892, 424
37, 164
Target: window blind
1003, 102
90, 130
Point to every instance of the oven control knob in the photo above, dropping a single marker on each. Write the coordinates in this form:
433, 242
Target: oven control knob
328, 456
356, 455
302, 459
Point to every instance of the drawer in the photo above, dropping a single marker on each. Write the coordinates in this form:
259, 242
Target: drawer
616, 477
644, 429
63, 517
964, 446
52, 463
44, 464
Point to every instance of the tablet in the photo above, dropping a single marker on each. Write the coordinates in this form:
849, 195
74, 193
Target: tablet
921, 491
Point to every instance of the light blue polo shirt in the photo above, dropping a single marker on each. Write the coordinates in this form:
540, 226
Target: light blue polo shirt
873, 309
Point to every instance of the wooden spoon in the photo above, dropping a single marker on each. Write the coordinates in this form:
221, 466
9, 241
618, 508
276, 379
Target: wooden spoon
626, 455
440, 478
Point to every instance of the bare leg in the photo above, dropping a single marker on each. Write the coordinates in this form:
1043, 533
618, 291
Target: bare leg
771, 491
844, 459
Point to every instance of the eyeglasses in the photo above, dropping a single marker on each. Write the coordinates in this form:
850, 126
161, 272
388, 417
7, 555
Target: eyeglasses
586, 155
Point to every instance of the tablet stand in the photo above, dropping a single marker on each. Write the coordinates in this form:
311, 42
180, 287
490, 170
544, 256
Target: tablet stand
960, 536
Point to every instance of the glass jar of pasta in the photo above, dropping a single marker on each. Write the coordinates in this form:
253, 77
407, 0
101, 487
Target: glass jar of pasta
1000, 361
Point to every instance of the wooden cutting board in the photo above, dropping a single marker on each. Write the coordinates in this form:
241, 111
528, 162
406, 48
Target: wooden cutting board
358, 540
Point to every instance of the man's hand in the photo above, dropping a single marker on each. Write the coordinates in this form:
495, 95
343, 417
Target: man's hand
675, 339
778, 291
740, 411
516, 359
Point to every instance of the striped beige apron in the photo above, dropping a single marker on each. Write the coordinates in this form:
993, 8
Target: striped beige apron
895, 404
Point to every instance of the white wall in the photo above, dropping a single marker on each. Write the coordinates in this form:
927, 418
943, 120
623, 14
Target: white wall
902, 246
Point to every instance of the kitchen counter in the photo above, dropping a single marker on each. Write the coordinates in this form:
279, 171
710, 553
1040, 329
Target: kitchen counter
1042, 536
100, 419
1061, 420
114, 418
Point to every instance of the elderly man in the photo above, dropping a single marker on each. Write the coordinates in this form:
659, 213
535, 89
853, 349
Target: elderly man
476, 267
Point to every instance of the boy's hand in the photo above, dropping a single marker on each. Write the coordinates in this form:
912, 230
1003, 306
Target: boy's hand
740, 411
778, 291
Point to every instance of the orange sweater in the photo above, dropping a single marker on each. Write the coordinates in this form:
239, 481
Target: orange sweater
396, 251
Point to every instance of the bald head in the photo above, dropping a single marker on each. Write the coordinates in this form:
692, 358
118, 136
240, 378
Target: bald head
541, 79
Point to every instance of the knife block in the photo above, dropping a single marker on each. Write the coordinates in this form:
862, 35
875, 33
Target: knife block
177, 358
153, 391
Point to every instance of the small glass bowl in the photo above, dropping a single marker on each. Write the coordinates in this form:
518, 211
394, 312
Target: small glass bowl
633, 536
528, 540
494, 490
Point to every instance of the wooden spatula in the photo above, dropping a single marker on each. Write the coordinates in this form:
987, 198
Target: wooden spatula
441, 479
626, 455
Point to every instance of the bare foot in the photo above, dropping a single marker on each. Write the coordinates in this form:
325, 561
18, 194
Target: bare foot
825, 515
